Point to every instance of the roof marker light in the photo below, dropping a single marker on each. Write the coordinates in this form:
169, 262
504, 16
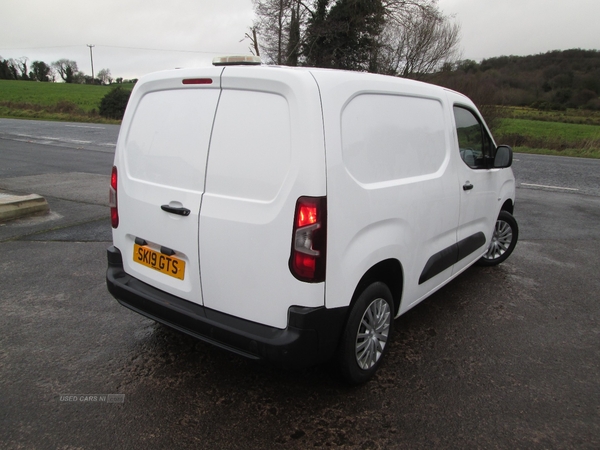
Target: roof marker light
238, 60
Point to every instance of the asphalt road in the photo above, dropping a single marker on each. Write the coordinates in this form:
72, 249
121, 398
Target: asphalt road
504, 357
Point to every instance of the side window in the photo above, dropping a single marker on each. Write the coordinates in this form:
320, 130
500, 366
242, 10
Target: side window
474, 143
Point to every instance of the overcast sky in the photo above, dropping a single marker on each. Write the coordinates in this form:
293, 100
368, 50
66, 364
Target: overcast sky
135, 37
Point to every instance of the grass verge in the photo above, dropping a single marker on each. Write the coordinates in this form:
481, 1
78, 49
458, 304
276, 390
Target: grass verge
53, 101
55, 113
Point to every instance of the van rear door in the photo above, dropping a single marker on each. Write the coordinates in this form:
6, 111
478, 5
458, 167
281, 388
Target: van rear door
161, 164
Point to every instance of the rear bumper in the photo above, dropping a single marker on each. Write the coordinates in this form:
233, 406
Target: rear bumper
311, 336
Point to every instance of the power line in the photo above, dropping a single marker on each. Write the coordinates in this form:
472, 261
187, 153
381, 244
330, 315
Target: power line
120, 46
38, 48
160, 49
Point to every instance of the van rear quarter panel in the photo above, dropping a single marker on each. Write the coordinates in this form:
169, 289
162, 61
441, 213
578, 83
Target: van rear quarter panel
391, 182
267, 150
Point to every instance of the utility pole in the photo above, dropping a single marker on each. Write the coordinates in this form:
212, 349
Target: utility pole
92, 59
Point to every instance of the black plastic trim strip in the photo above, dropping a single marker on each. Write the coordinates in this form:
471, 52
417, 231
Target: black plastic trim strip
470, 245
451, 255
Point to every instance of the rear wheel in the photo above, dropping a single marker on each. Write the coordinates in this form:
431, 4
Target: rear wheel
504, 240
365, 339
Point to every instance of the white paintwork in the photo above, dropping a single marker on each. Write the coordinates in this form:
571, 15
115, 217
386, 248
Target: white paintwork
480, 206
239, 153
402, 213
266, 151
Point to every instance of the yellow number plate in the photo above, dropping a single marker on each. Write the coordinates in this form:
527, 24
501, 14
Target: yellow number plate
169, 265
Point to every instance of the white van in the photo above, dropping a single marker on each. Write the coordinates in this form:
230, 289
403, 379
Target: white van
289, 214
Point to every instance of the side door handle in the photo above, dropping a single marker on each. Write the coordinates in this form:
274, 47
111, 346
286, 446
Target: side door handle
467, 186
175, 210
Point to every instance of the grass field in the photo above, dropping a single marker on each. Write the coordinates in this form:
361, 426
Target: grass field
568, 138
567, 133
53, 101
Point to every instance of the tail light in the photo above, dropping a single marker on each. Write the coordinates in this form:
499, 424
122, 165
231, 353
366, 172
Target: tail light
309, 239
112, 199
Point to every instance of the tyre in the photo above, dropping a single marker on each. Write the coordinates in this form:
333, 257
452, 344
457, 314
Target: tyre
365, 338
504, 240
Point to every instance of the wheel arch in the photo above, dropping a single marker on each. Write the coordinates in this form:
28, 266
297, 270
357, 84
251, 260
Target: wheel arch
390, 273
508, 206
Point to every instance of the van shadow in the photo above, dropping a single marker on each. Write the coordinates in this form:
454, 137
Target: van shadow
204, 385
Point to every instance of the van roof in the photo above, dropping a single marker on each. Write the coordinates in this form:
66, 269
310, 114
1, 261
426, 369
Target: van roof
317, 72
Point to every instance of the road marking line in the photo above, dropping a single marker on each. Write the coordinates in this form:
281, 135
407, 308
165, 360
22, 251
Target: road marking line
84, 126
549, 187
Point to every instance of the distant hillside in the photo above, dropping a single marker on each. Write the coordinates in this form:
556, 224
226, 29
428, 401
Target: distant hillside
550, 81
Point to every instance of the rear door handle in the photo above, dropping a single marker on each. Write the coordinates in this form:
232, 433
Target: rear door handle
467, 186
175, 210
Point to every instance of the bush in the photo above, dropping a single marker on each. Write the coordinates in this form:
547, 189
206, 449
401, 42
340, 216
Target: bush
114, 103
548, 106
593, 104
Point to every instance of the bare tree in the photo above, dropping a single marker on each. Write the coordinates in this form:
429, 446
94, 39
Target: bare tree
280, 25
67, 69
253, 37
416, 43
104, 76
21, 64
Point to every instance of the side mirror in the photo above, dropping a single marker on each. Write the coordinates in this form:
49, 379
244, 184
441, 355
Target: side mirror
504, 157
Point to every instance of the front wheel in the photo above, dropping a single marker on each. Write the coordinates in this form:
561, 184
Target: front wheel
365, 339
504, 240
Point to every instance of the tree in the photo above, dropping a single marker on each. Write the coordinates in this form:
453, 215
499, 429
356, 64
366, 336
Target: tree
396, 37
13, 69
82, 78
279, 26
104, 76
294, 32
253, 41
345, 36
21, 65
40, 71
67, 69
417, 43
314, 42
6, 70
